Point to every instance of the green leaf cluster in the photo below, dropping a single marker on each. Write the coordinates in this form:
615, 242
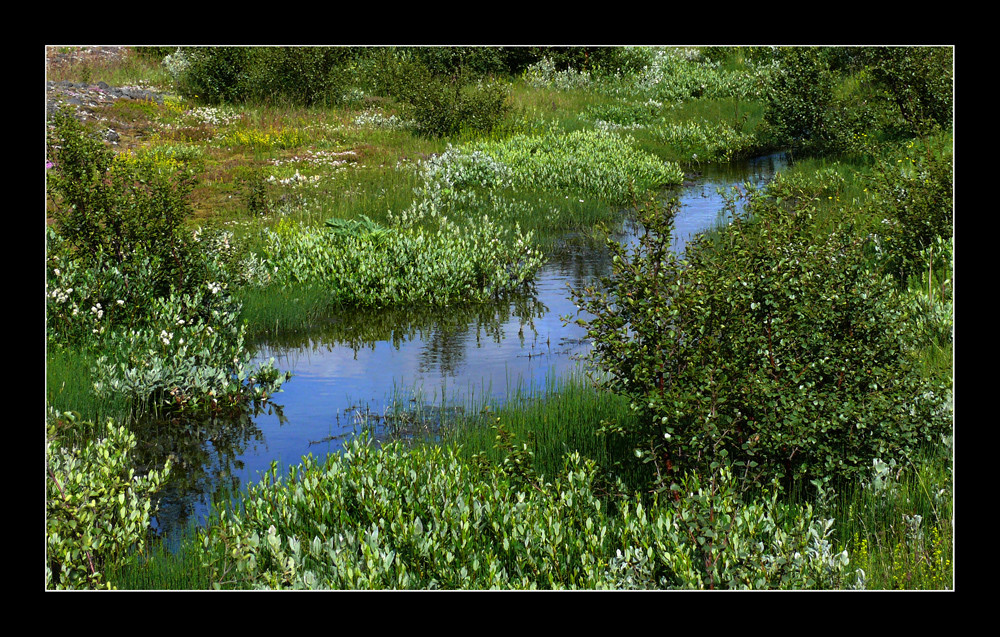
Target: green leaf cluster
780, 349
110, 204
597, 163
390, 518
97, 508
447, 262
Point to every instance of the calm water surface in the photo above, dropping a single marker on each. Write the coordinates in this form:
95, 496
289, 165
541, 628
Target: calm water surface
361, 365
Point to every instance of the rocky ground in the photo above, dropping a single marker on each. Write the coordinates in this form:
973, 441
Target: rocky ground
87, 98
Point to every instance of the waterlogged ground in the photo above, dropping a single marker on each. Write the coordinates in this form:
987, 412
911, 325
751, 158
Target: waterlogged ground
363, 369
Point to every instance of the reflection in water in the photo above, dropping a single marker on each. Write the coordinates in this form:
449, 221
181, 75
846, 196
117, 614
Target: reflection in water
362, 365
206, 459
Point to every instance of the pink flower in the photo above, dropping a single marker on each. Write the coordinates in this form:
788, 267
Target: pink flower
48, 165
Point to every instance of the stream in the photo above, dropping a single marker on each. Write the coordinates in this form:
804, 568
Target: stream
354, 370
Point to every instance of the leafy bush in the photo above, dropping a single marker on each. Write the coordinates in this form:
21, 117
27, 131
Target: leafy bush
672, 75
713, 537
109, 204
544, 74
449, 262
297, 75
191, 356
97, 508
597, 163
917, 82
176, 350
441, 106
387, 517
701, 141
784, 353
802, 110
913, 194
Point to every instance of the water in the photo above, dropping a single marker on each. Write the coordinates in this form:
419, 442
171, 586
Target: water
362, 365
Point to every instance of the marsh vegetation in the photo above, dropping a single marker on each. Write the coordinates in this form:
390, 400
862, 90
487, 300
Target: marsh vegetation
770, 407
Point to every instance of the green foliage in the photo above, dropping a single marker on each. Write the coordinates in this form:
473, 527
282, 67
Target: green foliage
716, 538
783, 352
913, 194
376, 518
446, 263
899, 523
296, 75
821, 99
701, 141
253, 191
191, 356
801, 106
917, 82
441, 106
176, 350
109, 205
597, 163
97, 508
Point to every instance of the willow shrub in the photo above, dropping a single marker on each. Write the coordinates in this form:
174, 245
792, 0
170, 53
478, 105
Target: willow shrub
97, 509
783, 353
913, 193
446, 262
385, 517
111, 204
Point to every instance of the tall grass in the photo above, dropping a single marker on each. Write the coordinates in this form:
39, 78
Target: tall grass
129, 69
899, 529
164, 568
69, 387
569, 414
279, 310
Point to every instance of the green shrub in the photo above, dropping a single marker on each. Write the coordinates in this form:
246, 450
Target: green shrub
178, 350
597, 163
190, 356
912, 193
109, 206
211, 74
441, 106
711, 536
802, 111
916, 82
387, 517
295, 75
449, 262
97, 508
786, 353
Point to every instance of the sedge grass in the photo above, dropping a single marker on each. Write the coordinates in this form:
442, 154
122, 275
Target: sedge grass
280, 310
901, 532
567, 415
162, 567
69, 387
